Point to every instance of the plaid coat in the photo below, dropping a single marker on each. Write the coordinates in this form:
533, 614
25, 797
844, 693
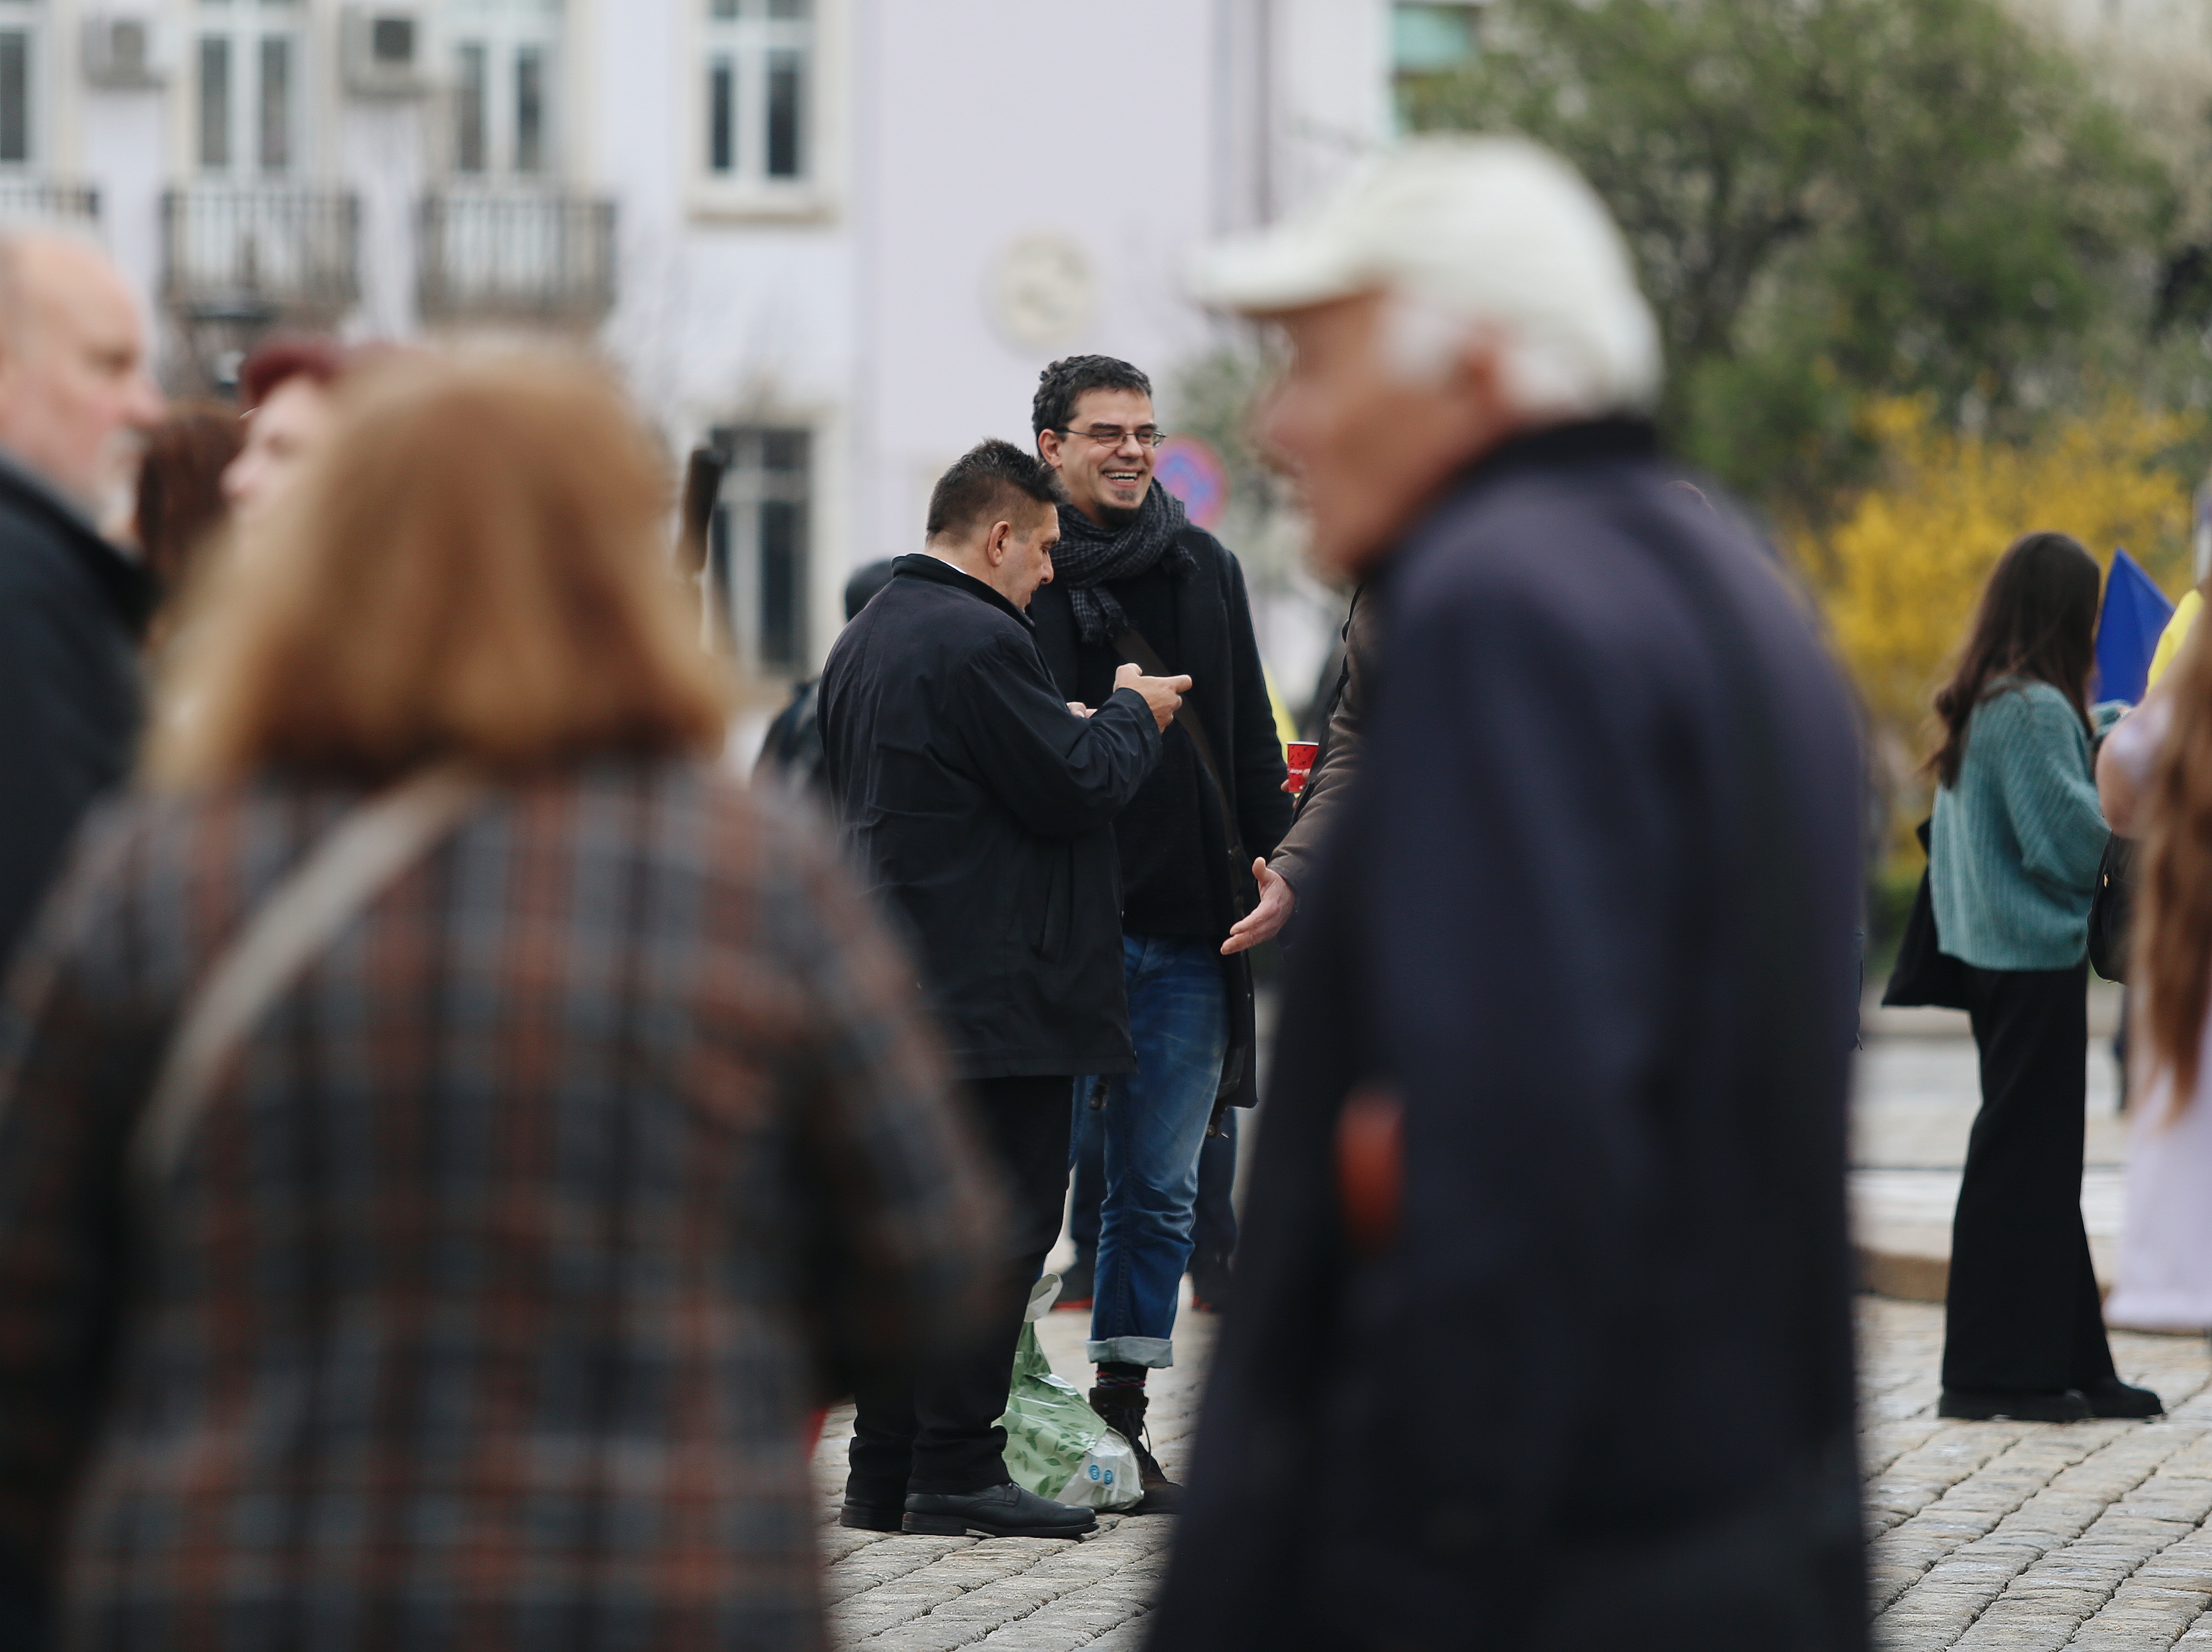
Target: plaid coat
485, 1303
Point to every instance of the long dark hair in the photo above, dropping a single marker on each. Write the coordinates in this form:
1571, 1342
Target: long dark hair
2037, 618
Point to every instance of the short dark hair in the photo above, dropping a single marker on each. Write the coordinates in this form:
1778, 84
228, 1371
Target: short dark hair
1061, 386
985, 483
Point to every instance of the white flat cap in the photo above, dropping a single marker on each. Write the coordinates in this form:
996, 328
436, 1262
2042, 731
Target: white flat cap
1497, 229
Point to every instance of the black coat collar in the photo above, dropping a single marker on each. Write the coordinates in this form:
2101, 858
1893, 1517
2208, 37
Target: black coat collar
125, 584
1569, 444
921, 565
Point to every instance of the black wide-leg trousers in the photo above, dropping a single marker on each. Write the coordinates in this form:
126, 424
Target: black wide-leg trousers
2022, 1313
940, 1432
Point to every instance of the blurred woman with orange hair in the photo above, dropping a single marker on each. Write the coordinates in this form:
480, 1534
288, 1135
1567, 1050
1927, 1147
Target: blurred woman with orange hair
451, 1260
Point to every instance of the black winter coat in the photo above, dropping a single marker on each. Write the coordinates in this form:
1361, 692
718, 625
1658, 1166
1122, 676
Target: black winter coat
1596, 1392
980, 808
1229, 690
72, 609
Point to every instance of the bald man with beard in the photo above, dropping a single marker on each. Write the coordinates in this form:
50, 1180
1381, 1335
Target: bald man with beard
74, 393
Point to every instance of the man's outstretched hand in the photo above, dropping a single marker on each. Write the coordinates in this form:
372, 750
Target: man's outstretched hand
1276, 901
1162, 694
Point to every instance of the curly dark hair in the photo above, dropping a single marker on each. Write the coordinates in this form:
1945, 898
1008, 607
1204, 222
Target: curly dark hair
990, 480
1061, 386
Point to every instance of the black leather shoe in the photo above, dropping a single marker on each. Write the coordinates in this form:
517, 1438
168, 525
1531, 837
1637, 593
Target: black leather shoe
1124, 1412
870, 1516
1002, 1511
2113, 1398
1979, 1406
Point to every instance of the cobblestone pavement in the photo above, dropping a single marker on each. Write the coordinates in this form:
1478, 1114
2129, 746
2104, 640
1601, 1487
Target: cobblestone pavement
899, 1593
1992, 1537
2018, 1537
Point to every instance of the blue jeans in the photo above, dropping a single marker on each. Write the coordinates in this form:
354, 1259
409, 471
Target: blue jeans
1152, 1129
1213, 1230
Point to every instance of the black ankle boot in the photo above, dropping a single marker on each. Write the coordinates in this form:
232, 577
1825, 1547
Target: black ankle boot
1124, 1412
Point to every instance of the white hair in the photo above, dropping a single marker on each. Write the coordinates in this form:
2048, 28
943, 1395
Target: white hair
1491, 237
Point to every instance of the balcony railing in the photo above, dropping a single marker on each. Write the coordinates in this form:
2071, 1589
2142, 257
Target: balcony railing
279, 250
544, 257
38, 201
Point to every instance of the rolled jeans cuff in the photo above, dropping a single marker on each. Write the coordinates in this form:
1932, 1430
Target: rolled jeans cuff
1155, 1351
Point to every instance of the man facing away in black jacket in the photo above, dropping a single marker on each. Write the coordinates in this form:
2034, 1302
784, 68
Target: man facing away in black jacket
73, 385
980, 801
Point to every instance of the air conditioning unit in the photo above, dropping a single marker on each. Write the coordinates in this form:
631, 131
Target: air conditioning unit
125, 52
385, 51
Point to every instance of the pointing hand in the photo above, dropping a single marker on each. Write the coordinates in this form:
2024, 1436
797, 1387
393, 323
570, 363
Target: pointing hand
1163, 694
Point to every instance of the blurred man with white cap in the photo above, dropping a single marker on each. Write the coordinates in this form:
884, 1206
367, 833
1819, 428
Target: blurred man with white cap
1542, 1337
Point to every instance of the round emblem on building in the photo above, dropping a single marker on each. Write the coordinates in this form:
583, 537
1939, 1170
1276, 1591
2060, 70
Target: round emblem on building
1043, 291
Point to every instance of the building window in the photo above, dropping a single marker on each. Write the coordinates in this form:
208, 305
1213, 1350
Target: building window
530, 109
14, 96
215, 103
758, 91
757, 545
722, 117
504, 113
469, 146
247, 86
276, 103
1430, 40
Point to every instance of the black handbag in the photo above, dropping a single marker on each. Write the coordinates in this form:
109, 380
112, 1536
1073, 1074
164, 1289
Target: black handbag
1925, 974
2112, 909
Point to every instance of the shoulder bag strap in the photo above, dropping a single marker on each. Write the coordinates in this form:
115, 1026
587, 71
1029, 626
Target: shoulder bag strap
1133, 646
361, 855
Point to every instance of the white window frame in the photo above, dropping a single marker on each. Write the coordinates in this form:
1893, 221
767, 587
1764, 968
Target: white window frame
504, 30
747, 191
245, 25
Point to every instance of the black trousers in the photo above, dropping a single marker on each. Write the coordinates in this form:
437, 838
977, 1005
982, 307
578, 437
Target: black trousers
2023, 1312
940, 1432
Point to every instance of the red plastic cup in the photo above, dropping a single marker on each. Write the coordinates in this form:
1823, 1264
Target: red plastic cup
1302, 756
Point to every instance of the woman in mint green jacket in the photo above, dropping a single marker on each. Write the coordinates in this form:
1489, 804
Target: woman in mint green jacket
2012, 863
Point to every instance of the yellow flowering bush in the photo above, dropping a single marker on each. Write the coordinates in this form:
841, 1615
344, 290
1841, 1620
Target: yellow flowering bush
1899, 571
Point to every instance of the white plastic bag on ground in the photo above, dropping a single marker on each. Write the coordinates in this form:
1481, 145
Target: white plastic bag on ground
1056, 1445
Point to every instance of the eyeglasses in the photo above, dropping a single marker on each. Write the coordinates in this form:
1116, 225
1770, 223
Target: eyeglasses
1112, 435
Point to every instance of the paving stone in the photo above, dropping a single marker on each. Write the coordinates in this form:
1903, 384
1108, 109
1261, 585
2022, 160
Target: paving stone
2004, 1537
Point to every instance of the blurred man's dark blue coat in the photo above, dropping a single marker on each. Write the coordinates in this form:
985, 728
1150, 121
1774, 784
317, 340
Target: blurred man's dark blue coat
1590, 918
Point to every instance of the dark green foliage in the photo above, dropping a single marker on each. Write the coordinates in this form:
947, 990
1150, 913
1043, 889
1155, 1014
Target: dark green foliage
1831, 199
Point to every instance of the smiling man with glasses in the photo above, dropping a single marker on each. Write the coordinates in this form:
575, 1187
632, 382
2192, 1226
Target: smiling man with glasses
1135, 581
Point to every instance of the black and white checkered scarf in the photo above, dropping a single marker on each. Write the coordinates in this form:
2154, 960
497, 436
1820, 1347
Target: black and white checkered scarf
1089, 556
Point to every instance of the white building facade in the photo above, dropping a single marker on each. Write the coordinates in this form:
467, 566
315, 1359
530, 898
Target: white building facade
835, 239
